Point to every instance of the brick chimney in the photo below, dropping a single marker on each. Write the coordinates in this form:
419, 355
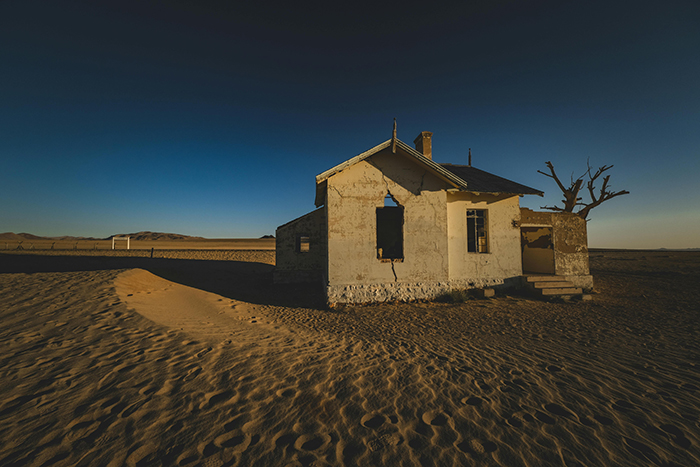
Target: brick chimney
423, 144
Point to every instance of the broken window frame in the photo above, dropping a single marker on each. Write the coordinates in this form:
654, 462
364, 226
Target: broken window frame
390, 220
477, 231
303, 243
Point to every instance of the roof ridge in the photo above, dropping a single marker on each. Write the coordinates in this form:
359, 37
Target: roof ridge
452, 177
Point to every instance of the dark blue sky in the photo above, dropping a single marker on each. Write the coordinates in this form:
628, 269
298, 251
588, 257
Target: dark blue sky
212, 118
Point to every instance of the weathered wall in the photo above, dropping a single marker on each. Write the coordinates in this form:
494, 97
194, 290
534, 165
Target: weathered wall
352, 198
407, 291
569, 238
295, 266
503, 259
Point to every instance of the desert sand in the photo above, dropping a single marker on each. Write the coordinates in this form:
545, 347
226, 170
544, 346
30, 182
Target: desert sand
127, 360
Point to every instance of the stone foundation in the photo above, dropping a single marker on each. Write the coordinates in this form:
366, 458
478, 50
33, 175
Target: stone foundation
407, 291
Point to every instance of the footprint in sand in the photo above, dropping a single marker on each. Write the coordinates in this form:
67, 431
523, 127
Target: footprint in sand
514, 422
147, 390
558, 410
482, 385
383, 441
312, 442
236, 422
677, 436
474, 400
435, 418
372, 421
214, 398
238, 442
477, 446
289, 392
192, 373
544, 418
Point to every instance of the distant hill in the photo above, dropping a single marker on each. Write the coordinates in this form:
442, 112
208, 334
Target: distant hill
11, 236
27, 236
134, 236
151, 236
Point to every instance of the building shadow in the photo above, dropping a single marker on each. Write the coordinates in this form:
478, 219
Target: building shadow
238, 280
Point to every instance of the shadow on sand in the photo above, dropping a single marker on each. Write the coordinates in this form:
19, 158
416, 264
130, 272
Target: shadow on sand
238, 280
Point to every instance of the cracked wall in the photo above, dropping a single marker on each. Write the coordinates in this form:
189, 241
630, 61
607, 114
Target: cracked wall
352, 199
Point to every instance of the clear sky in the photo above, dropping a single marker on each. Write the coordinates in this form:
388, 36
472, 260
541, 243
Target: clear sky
213, 118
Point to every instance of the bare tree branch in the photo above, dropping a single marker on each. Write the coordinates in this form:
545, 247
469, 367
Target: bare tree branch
571, 198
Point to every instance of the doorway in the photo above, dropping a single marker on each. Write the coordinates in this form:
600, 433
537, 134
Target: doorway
537, 250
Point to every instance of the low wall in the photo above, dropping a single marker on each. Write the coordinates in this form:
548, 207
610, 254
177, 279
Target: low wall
251, 256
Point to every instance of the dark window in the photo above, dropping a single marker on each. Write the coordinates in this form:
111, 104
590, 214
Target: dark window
477, 238
390, 232
303, 244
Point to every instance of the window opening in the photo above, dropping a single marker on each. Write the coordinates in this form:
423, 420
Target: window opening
477, 240
303, 244
390, 230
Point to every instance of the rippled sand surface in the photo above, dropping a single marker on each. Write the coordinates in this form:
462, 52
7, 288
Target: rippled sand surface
131, 361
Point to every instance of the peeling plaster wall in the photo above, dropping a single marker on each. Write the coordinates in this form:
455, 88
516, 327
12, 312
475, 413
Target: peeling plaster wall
352, 198
503, 259
294, 266
569, 237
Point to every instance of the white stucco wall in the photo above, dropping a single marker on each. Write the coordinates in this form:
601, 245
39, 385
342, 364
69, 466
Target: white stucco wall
352, 198
503, 259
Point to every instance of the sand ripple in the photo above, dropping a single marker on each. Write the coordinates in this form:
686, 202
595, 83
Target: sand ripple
125, 368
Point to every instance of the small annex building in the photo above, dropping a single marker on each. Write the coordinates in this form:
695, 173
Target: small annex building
392, 224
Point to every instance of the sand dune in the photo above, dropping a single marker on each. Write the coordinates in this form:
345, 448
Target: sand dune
119, 366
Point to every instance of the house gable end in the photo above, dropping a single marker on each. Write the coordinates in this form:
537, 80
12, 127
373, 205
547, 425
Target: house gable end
402, 150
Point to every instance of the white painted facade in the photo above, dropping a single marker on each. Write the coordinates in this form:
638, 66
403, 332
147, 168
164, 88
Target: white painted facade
434, 233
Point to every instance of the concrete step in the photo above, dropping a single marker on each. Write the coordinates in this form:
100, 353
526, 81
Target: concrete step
561, 291
550, 284
545, 278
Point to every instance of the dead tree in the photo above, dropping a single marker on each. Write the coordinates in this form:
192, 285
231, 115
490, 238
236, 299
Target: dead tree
571, 194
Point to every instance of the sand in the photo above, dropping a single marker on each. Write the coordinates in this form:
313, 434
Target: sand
137, 361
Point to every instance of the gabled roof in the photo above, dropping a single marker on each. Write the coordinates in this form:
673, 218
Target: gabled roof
410, 152
462, 177
484, 182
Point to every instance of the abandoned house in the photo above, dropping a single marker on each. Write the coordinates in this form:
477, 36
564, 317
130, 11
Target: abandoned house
392, 224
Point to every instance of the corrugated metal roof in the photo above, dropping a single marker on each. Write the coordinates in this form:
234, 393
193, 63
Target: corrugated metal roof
484, 182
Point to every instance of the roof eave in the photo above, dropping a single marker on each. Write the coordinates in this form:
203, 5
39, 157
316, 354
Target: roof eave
435, 168
350, 162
